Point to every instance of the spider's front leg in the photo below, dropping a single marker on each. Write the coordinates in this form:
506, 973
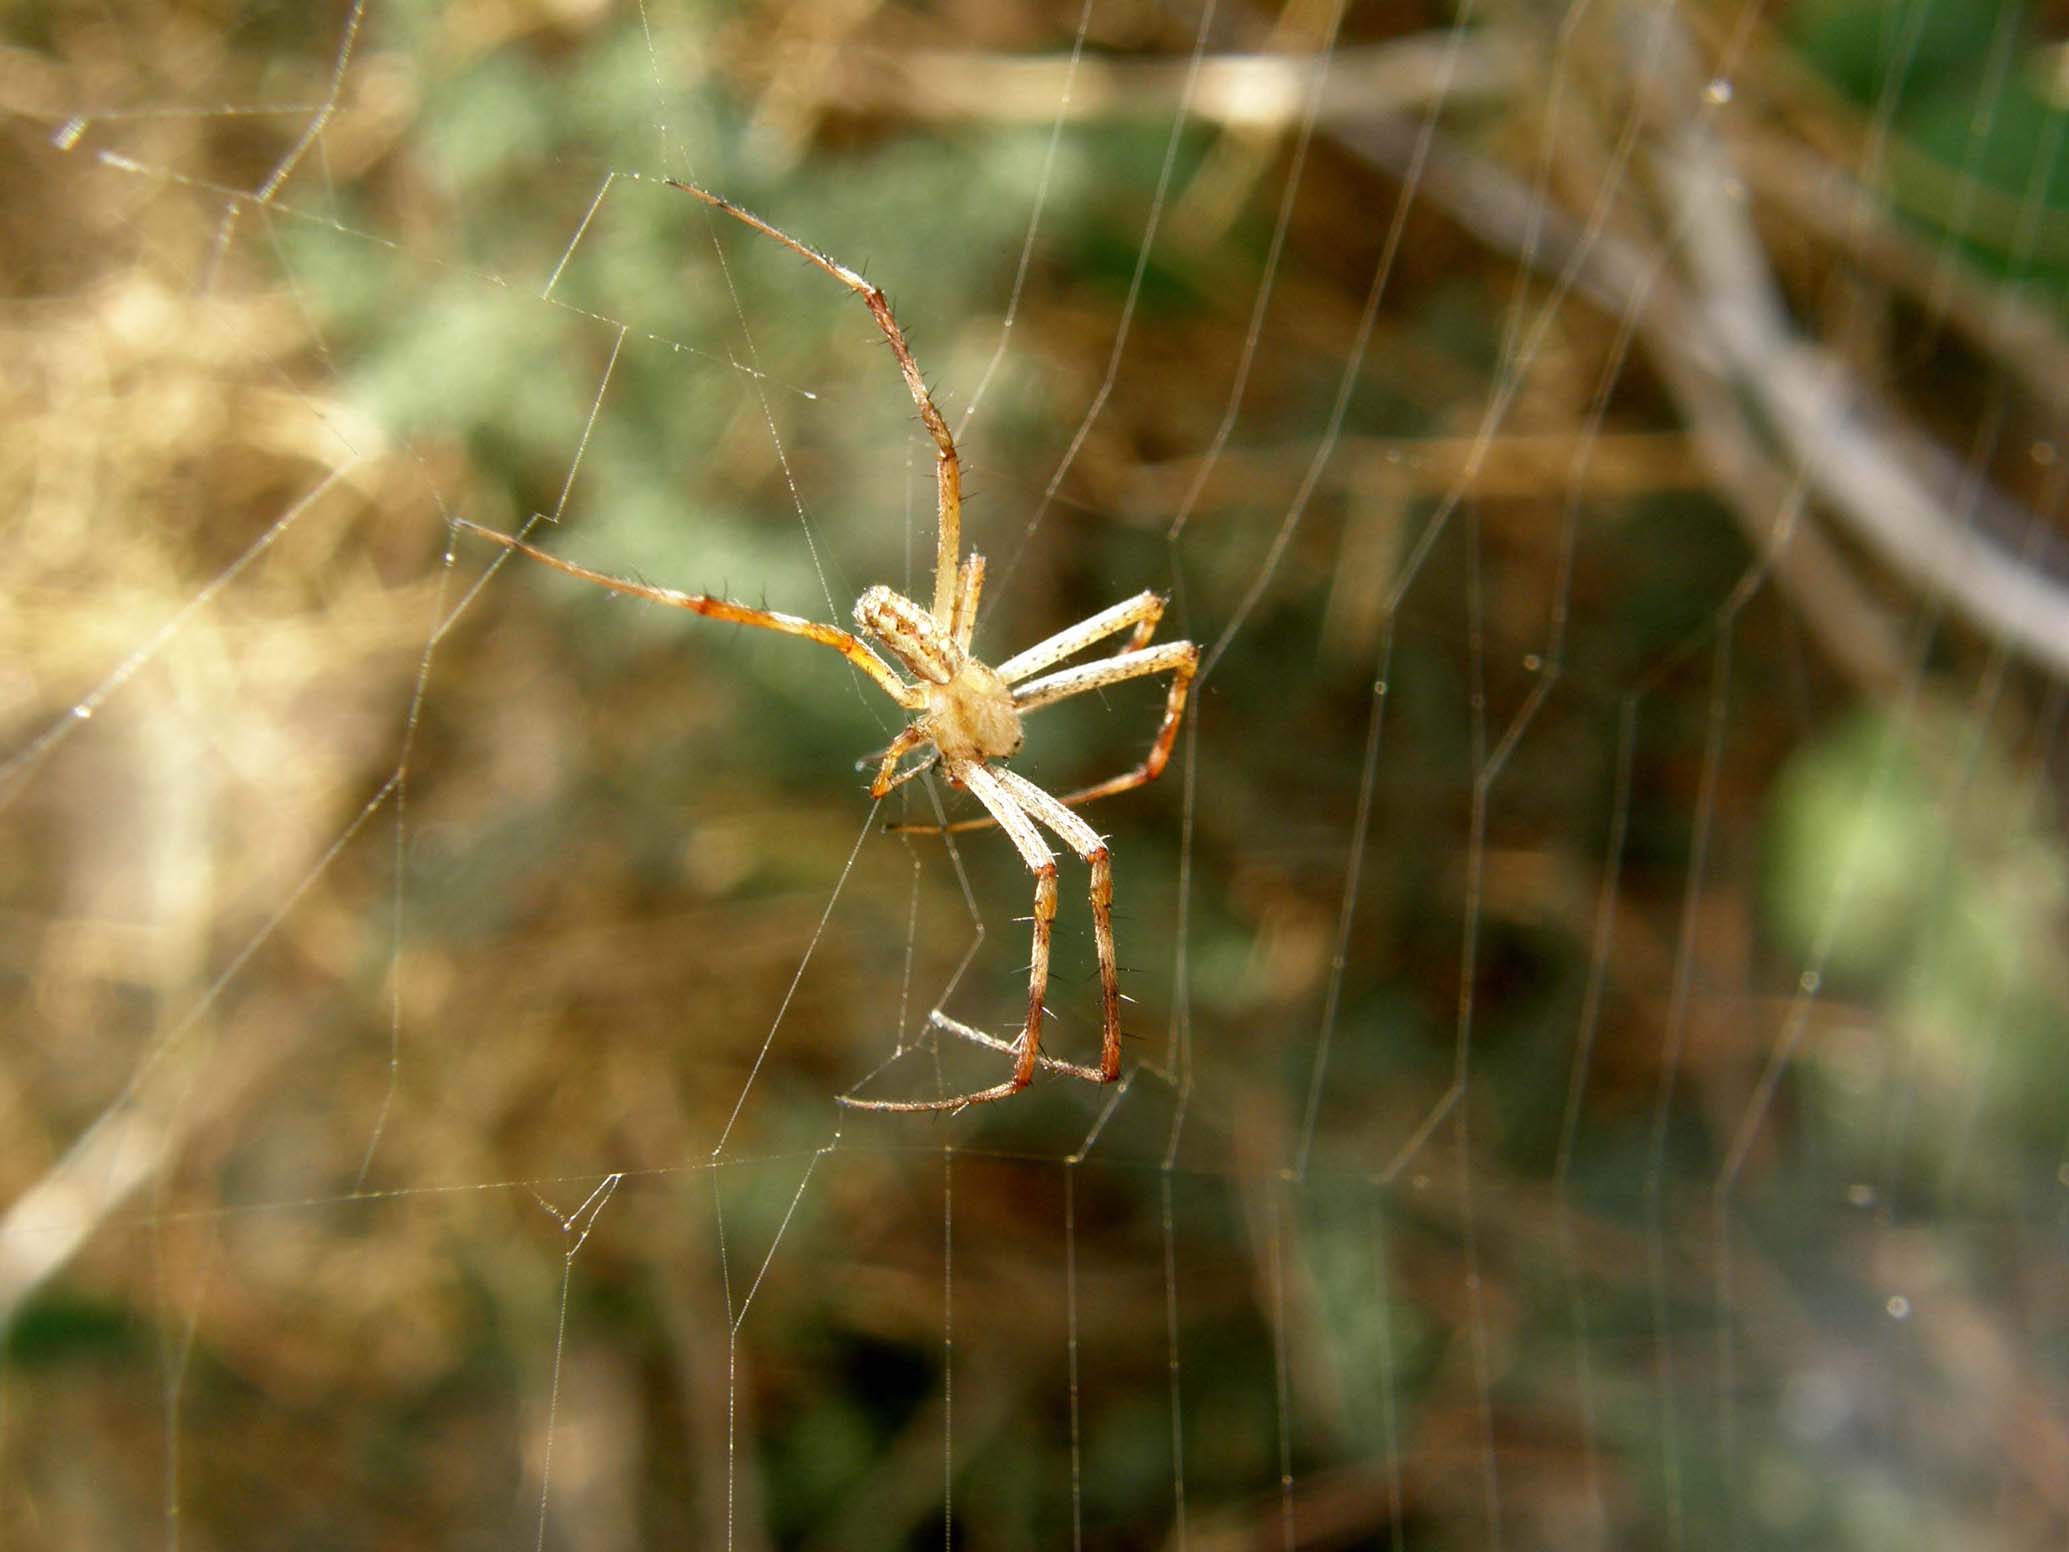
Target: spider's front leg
848, 645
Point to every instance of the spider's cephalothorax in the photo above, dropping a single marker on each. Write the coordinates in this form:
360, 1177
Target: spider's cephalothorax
969, 712
967, 715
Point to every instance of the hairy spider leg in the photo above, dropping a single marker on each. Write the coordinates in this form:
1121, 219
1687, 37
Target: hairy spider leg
1090, 845
902, 745
1179, 659
1044, 1061
948, 476
988, 789
909, 696
969, 588
1142, 611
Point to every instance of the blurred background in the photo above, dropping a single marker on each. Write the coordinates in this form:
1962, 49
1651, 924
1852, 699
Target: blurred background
1598, 1071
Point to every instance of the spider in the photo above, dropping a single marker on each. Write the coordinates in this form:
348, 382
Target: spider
966, 713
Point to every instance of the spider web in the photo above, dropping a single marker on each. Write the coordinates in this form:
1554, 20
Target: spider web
1597, 1065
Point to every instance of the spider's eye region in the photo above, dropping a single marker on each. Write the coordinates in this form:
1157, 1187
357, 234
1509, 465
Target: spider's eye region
914, 636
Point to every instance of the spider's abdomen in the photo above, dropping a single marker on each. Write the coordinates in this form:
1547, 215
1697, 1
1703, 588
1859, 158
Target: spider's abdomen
973, 717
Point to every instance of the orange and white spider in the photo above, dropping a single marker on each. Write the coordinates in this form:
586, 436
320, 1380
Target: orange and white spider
968, 712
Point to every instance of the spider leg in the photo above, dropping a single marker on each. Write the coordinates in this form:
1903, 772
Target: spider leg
901, 746
851, 647
1089, 844
985, 784
969, 586
981, 1037
1142, 611
948, 476
1180, 659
